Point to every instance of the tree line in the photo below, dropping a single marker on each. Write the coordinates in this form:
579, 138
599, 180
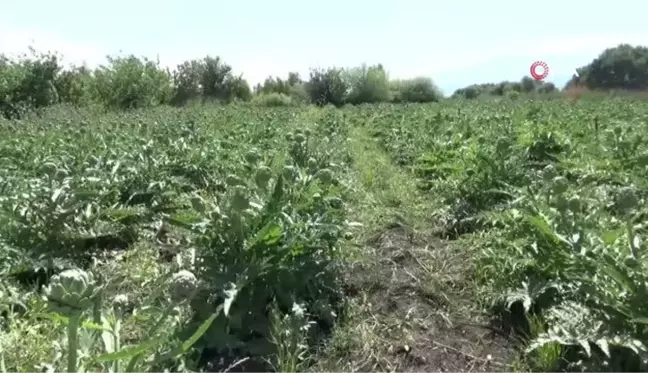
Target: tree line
506, 88
36, 80
624, 67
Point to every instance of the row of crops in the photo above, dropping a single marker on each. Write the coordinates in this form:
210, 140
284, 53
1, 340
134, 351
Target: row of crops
170, 239
549, 199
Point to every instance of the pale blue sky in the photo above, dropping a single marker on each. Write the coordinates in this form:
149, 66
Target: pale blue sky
455, 42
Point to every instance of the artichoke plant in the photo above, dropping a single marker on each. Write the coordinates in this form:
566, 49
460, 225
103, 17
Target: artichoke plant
71, 292
183, 285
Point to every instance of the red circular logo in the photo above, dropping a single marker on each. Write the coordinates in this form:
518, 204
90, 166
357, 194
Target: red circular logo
539, 75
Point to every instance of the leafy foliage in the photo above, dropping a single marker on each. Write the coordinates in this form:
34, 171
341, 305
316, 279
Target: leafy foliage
525, 86
327, 86
130, 82
622, 67
368, 84
551, 205
254, 200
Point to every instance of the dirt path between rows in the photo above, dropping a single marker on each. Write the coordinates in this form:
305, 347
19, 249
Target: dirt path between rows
411, 305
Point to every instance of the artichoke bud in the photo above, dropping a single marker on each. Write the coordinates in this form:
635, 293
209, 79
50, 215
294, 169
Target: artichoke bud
239, 200
61, 174
71, 291
560, 185
502, 145
549, 172
561, 203
643, 159
617, 130
574, 204
49, 168
289, 173
183, 285
324, 175
252, 156
262, 176
312, 163
300, 138
197, 203
120, 303
627, 199
288, 136
296, 149
336, 202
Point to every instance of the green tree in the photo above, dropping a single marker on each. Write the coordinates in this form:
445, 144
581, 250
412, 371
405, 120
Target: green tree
419, 89
621, 67
208, 79
186, 81
28, 82
528, 84
327, 86
214, 79
131, 82
237, 88
74, 85
368, 84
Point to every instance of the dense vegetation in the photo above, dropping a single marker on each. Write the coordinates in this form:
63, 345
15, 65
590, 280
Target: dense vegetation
623, 67
526, 85
39, 80
308, 237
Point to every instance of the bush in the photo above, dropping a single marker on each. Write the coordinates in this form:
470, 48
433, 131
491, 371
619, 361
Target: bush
74, 86
327, 87
27, 83
367, 85
299, 94
130, 82
419, 89
622, 67
272, 100
210, 79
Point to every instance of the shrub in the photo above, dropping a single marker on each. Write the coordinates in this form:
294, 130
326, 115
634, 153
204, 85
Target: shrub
367, 85
419, 89
272, 100
327, 87
130, 82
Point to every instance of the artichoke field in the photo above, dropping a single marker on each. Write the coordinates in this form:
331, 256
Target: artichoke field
243, 209
549, 198
200, 238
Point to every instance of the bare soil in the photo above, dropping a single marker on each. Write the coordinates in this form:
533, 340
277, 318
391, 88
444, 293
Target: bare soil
424, 319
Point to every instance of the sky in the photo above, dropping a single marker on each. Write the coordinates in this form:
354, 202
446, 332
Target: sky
456, 43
